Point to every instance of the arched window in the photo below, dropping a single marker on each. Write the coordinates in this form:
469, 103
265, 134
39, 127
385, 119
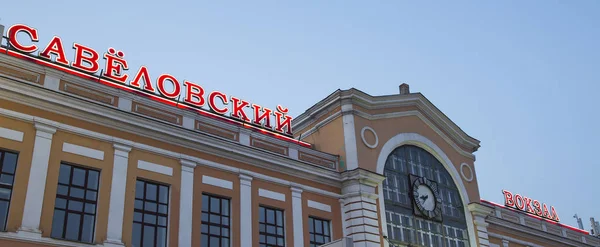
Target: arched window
409, 221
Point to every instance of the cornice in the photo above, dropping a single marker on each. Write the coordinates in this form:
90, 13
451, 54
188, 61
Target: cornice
528, 232
366, 101
89, 111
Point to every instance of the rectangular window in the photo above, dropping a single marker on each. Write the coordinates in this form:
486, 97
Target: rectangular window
215, 221
8, 164
271, 232
150, 214
319, 230
75, 206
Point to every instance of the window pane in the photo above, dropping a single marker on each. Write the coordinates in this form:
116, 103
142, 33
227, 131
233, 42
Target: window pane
92, 180
75, 206
164, 194
215, 207
139, 189
225, 207
90, 195
90, 208
5, 193
75, 192
3, 214
78, 177
136, 237
64, 175
204, 240
6, 179
137, 216
88, 228
150, 207
151, 192
279, 217
58, 221
161, 237
10, 162
214, 242
205, 201
62, 190
138, 204
162, 209
73, 221
270, 216
60, 203
148, 236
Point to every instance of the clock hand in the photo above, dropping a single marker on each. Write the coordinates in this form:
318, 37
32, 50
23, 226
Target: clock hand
424, 198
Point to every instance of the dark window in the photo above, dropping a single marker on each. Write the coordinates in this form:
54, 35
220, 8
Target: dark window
150, 214
271, 232
319, 231
75, 206
8, 164
215, 221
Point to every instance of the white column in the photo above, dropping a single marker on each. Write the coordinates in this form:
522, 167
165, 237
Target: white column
297, 216
186, 203
246, 210
114, 235
32, 211
116, 207
505, 243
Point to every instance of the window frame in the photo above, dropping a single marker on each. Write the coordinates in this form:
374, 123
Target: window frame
9, 187
68, 198
313, 219
145, 212
265, 233
220, 215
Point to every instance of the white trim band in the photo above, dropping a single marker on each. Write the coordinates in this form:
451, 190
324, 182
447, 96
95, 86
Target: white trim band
83, 151
148, 166
271, 195
11, 134
319, 206
226, 184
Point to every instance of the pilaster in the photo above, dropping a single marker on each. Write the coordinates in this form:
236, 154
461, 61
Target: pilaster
246, 210
32, 211
186, 203
297, 216
359, 205
114, 234
480, 212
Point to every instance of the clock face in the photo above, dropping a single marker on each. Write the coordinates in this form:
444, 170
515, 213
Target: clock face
426, 198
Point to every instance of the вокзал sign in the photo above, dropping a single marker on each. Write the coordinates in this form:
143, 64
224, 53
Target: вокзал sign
166, 88
530, 206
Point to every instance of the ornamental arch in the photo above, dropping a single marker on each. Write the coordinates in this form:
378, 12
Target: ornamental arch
420, 142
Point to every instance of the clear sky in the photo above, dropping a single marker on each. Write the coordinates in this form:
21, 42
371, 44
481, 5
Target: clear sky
521, 76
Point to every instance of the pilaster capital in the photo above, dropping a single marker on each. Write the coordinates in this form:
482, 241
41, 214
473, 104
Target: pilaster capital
122, 150
296, 192
245, 180
44, 130
362, 176
187, 165
480, 210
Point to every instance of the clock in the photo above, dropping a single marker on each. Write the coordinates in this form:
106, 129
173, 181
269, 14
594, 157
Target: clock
426, 200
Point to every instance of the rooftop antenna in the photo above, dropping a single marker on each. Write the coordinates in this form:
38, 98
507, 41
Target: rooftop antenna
579, 222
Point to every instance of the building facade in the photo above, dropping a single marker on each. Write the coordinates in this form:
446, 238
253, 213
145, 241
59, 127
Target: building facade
110, 159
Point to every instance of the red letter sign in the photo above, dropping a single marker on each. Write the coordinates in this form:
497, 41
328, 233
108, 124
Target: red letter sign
87, 55
55, 47
190, 95
12, 38
160, 83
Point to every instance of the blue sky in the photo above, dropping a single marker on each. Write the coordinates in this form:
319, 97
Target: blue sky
521, 76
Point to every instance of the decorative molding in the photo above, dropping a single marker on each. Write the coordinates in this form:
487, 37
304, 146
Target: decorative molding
222, 183
114, 118
148, 166
156, 113
88, 93
11, 134
268, 146
46, 126
271, 195
366, 101
319, 206
362, 135
83, 151
462, 172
